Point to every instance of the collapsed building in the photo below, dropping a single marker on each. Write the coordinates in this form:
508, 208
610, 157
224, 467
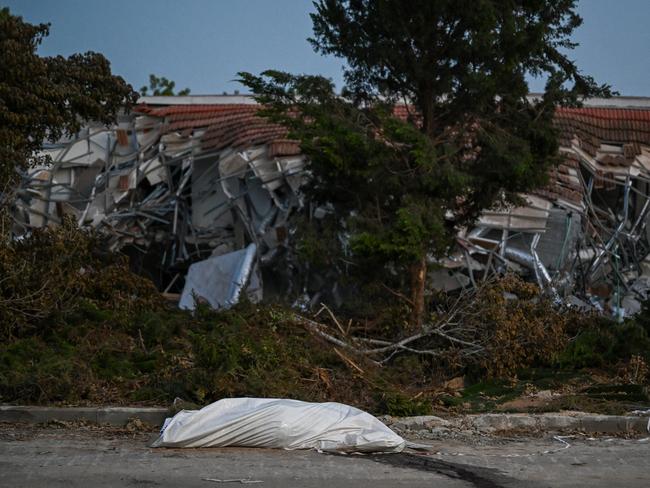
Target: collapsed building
583, 238
199, 191
207, 185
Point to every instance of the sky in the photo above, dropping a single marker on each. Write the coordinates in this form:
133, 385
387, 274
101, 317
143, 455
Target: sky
202, 44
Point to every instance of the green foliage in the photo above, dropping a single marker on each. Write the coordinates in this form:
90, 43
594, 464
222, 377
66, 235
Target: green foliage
452, 57
160, 353
161, 86
399, 405
401, 186
58, 272
46, 97
379, 173
485, 395
406, 240
96, 353
318, 243
602, 342
463, 66
586, 350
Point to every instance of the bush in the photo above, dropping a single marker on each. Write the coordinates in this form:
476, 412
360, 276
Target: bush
49, 275
160, 353
519, 332
497, 329
399, 405
602, 342
78, 327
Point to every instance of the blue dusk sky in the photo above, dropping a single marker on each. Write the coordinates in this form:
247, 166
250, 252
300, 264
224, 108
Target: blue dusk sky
202, 44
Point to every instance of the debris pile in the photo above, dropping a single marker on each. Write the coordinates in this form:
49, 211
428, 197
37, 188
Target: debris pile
185, 182
205, 188
584, 238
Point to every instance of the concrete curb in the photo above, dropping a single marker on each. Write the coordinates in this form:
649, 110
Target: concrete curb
104, 415
549, 422
592, 423
491, 422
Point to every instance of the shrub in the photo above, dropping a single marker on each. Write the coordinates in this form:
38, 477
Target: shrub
601, 342
52, 273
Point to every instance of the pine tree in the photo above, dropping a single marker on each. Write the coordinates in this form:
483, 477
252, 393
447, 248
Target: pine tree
472, 138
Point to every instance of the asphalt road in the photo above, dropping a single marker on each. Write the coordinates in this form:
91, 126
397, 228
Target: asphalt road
78, 457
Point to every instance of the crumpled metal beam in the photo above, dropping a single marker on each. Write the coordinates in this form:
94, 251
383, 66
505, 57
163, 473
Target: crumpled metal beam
152, 191
601, 265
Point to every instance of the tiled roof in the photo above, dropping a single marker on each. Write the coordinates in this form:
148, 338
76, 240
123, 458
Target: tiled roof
225, 125
563, 184
407, 112
596, 126
231, 125
593, 127
237, 125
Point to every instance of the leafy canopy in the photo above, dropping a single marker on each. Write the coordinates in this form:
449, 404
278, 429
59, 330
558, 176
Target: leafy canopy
464, 136
161, 86
42, 98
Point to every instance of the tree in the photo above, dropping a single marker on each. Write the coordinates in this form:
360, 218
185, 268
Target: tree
162, 87
42, 98
473, 138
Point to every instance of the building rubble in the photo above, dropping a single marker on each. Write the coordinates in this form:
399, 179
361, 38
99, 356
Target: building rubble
584, 238
184, 182
200, 191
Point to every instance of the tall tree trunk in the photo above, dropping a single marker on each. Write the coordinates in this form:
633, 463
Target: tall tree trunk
418, 271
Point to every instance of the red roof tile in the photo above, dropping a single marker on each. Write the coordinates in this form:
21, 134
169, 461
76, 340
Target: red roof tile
225, 125
595, 126
236, 125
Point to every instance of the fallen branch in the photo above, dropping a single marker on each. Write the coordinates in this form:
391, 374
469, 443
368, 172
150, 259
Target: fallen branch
325, 307
398, 294
348, 360
390, 347
317, 329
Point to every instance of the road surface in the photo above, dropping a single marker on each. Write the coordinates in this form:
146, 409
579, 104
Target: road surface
74, 456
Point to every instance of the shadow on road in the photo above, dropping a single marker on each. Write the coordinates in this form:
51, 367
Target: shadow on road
479, 477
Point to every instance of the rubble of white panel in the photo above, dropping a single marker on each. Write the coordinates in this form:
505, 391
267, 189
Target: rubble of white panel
147, 188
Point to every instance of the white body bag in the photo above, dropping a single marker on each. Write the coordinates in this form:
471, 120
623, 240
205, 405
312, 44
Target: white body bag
279, 423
